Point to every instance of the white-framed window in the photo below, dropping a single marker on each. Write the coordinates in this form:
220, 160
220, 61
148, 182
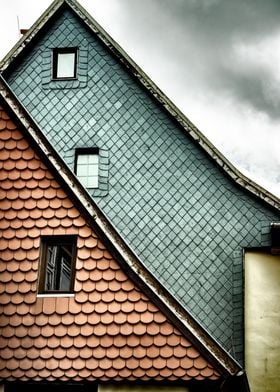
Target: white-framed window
65, 63
87, 167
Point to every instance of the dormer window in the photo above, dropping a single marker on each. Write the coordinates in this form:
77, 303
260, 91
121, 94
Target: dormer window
65, 63
87, 166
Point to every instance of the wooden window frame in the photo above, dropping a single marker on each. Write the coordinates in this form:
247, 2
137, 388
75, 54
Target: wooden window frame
55, 54
57, 240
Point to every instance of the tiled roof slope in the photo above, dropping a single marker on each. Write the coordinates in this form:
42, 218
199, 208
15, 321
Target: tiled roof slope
179, 211
110, 330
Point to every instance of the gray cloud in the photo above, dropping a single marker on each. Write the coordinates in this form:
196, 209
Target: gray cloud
197, 37
189, 49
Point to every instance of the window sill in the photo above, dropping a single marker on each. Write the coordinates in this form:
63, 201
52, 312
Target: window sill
61, 79
43, 295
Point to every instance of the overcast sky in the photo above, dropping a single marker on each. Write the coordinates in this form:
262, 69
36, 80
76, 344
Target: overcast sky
218, 61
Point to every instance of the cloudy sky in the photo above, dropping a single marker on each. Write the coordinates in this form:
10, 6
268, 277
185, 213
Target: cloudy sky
218, 61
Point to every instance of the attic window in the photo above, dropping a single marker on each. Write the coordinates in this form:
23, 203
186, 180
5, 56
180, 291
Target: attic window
87, 166
65, 63
57, 264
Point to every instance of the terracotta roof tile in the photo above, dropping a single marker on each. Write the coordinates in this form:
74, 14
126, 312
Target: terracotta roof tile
15, 342
28, 222
97, 253
72, 353
86, 353
80, 342
81, 319
3, 126
10, 144
12, 287
74, 330
88, 307
10, 125
82, 297
73, 213
39, 364
25, 364
66, 203
17, 299
5, 299
89, 242
200, 363
17, 224
6, 354
67, 319
192, 372
13, 364
61, 305
49, 305
74, 307
47, 331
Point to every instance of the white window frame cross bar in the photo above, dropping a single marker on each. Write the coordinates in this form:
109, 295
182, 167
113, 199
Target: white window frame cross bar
87, 168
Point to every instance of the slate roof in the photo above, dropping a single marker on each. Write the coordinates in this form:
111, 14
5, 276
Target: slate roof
118, 326
181, 206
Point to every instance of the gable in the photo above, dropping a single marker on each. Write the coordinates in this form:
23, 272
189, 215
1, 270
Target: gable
109, 329
182, 215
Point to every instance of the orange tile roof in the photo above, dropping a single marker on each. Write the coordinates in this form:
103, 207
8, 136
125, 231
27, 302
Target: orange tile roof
109, 330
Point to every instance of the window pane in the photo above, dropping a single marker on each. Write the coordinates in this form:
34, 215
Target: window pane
65, 65
92, 182
50, 270
65, 269
58, 267
93, 170
82, 170
87, 169
93, 158
84, 181
82, 158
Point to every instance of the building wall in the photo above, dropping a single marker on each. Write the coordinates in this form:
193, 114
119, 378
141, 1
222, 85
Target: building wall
262, 320
107, 330
180, 213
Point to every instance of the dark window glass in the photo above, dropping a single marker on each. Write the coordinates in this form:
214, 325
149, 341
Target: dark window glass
58, 255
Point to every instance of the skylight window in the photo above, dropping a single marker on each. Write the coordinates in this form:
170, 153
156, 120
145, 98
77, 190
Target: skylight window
87, 167
65, 63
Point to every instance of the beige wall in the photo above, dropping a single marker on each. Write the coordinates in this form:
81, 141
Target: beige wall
262, 321
137, 388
